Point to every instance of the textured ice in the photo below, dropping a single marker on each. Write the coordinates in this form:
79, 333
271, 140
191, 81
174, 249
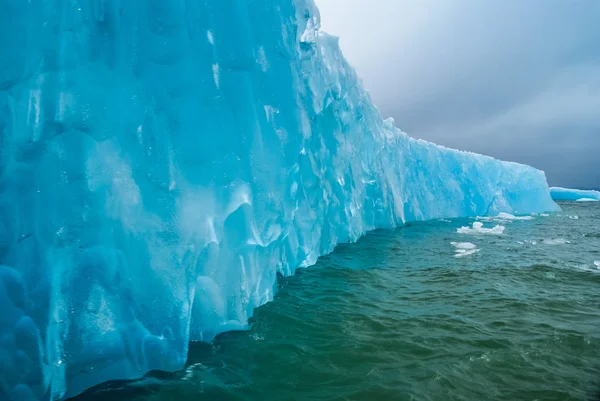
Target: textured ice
478, 228
161, 161
564, 194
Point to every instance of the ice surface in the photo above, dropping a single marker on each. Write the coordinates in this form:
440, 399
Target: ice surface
162, 161
479, 229
587, 200
565, 194
597, 263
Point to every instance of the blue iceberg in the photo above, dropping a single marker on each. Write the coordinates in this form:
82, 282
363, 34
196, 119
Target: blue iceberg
565, 194
162, 161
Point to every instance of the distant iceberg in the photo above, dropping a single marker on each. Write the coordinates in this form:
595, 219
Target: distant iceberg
565, 194
162, 161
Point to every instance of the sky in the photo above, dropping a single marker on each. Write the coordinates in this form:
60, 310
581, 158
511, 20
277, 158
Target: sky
514, 79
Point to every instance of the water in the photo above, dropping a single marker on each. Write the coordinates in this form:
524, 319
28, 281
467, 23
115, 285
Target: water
398, 316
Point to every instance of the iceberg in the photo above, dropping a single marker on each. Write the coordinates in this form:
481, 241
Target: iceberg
161, 162
565, 194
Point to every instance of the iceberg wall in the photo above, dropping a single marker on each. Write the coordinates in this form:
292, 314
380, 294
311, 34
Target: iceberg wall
565, 194
161, 161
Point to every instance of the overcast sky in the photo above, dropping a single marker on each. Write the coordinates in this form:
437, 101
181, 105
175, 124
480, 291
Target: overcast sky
514, 79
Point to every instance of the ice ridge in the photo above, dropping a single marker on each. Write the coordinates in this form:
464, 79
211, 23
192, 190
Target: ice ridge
565, 194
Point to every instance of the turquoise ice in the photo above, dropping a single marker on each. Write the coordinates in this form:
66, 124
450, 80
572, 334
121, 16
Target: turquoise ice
566, 194
162, 161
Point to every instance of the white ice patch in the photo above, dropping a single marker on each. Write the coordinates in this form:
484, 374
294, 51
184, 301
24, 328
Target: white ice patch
597, 263
464, 249
210, 38
479, 229
262, 59
505, 217
586, 200
574, 217
556, 241
463, 245
215, 69
461, 253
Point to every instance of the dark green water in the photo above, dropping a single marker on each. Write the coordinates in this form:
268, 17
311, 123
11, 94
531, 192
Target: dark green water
398, 317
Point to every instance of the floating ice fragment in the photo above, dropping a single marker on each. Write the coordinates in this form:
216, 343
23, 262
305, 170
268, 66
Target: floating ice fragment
464, 249
461, 253
586, 200
479, 229
597, 263
574, 217
557, 241
507, 216
463, 245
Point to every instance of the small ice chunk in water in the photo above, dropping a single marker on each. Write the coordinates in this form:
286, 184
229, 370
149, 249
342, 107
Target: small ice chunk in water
597, 263
479, 229
461, 253
557, 241
464, 249
574, 217
463, 245
507, 216
586, 200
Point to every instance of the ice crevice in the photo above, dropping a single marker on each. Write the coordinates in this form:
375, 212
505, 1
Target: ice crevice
162, 161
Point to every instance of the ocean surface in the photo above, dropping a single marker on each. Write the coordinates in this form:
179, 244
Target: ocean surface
430, 311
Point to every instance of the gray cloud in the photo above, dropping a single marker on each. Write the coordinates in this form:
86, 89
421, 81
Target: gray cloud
518, 80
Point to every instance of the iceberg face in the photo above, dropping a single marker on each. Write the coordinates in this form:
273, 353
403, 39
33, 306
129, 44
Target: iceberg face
162, 161
565, 194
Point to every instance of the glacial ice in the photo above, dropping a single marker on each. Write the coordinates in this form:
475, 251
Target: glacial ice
162, 161
565, 194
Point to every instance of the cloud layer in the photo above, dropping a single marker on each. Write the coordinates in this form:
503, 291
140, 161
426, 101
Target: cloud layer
518, 80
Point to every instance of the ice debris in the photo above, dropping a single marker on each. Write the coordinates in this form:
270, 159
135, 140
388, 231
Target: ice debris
464, 249
479, 229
